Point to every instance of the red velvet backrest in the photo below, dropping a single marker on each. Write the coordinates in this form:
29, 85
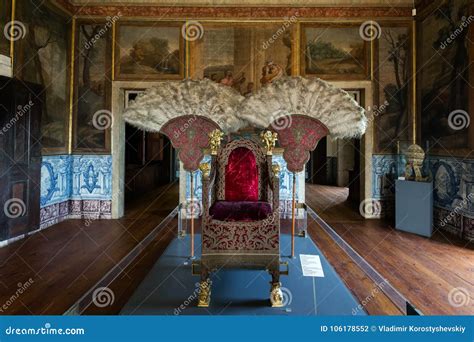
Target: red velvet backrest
241, 176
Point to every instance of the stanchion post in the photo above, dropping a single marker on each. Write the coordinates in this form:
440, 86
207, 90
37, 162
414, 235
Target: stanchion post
293, 217
192, 215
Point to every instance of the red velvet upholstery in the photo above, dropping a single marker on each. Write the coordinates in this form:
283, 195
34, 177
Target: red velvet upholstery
240, 210
241, 176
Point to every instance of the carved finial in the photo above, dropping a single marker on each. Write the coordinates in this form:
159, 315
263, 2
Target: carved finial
215, 138
269, 139
205, 169
276, 169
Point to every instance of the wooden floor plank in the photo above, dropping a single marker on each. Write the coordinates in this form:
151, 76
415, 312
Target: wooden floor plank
66, 260
423, 270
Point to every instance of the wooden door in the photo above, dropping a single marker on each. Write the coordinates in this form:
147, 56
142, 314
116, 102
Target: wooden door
20, 157
318, 167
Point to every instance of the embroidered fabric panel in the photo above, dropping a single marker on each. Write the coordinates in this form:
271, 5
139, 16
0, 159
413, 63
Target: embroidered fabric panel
298, 138
241, 236
189, 134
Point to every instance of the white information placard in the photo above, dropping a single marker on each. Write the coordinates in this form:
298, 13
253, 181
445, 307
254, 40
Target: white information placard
311, 265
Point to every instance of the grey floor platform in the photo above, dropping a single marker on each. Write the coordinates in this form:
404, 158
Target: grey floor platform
170, 288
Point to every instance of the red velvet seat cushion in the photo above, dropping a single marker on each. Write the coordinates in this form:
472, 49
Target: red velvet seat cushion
241, 176
240, 210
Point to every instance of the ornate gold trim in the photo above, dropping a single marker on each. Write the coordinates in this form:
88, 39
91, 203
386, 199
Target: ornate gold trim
215, 138
12, 42
71, 84
269, 138
276, 169
113, 49
204, 298
413, 72
205, 169
276, 295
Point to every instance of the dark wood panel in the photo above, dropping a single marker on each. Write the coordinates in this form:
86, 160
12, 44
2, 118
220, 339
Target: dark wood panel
20, 161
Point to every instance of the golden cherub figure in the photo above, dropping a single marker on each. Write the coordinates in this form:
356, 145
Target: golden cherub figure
269, 138
215, 138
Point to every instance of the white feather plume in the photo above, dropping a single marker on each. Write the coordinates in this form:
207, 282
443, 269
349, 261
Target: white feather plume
159, 104
334, 107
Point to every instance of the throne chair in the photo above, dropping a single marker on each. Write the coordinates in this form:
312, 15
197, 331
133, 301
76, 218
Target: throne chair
241, 216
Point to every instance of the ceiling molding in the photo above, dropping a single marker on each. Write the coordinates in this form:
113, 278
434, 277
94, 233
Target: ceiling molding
245, 3
248, 12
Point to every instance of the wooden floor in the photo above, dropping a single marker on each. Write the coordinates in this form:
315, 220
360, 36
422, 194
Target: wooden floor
67, 259
423, 270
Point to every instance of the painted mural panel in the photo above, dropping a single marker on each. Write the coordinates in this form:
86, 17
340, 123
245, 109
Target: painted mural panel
444, 76
147, 51
5, 17
41, 57
334, 53
92, 119
393, 85
244, 57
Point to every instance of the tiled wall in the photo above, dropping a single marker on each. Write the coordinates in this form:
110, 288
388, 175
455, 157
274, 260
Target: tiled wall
75, 186
453, 190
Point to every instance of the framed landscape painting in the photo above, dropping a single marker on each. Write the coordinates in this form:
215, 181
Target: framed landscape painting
149, 51
334, 52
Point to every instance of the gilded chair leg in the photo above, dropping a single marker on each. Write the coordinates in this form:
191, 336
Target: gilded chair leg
204, 298
276, 295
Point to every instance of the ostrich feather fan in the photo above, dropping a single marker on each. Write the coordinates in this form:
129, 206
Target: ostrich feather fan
159, 104
332, 106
